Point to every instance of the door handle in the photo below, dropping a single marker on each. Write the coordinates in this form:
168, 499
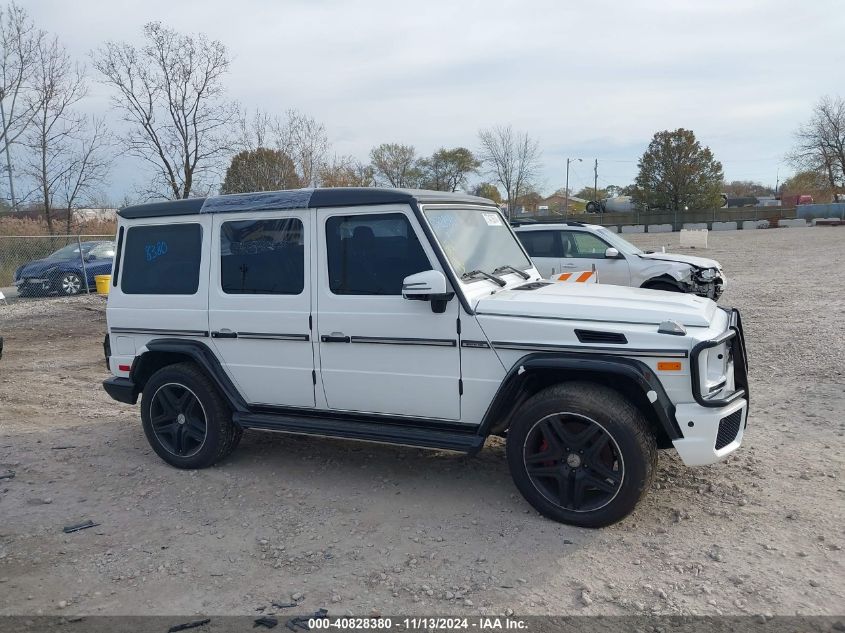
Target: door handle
224, 333
334, 338
568, 266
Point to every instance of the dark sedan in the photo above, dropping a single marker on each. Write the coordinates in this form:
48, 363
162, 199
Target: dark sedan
65, 271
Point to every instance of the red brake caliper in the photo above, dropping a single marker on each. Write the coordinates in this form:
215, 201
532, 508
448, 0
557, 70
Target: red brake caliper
544, 446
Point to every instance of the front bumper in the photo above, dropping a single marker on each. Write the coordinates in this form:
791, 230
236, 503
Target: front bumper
713, 426
31, 280
710, 434
121, 389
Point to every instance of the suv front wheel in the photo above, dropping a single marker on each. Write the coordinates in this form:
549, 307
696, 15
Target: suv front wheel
186, 421
581, 453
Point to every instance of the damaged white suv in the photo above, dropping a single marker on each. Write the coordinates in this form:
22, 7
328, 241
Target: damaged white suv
414, 318
569, 246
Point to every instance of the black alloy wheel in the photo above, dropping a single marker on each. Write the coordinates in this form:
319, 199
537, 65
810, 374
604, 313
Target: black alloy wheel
185, 418
178, 420
573, 462
581, 453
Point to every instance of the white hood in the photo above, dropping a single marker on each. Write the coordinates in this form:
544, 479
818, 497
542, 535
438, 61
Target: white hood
700, 262
600, 302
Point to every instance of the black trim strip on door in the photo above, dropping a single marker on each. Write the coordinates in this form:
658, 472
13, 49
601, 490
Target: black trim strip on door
389, 340
272, 336
475, 344
157, 332
607, 351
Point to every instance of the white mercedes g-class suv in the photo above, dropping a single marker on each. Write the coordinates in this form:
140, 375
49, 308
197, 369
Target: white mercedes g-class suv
414, 318
571, 246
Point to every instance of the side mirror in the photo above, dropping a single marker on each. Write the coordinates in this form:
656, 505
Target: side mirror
429, 285
611, 253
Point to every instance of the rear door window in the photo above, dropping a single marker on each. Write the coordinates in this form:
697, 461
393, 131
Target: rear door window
262, 257
540, 243
162, 260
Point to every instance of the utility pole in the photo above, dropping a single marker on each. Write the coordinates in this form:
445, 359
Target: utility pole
566, 189
596, 181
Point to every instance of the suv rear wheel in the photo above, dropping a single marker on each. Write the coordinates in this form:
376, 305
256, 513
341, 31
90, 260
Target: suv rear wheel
580, 453
186, 421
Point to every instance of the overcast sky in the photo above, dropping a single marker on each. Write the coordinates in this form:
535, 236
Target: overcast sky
589, 79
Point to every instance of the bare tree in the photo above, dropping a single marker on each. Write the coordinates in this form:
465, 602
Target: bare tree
256, 131
171, 93
58, 84
298, 135
304, 139
395, 165
512, 159
19, 45
90, 159
346, 171
820, 143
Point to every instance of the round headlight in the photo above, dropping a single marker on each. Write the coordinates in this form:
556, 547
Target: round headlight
710, 273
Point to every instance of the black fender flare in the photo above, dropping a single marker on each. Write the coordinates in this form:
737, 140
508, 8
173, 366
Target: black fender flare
162, 352
516, 387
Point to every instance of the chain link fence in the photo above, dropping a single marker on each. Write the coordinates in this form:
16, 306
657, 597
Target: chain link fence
45, 265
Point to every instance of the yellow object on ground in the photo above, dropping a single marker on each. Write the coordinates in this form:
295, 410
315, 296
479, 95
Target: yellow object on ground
103, 282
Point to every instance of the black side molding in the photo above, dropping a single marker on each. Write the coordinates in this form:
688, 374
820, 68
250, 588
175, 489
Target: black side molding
327, 424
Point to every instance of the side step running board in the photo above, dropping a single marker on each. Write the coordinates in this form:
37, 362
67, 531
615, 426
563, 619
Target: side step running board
383, 432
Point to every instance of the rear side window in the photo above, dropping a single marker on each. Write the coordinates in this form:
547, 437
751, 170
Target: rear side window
162, 260
264, 257
540, 243
372, 254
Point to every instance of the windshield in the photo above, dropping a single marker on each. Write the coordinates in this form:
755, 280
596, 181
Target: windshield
70, 251
476, 239
619, 243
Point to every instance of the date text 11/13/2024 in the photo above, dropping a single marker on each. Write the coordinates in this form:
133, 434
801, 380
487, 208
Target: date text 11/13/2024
431, 623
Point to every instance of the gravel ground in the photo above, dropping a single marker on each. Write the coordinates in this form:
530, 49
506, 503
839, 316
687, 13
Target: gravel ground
355, 527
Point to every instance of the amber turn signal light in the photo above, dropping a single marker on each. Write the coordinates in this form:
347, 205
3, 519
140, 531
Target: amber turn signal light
669, 365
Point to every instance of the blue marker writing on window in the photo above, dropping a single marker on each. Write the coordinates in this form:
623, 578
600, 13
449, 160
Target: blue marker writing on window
154, 251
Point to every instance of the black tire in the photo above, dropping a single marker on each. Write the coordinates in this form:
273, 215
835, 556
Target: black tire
663, 285
594, 485
204, 434
69, 284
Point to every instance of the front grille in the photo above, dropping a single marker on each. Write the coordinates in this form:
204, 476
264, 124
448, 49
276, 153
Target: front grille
728, 429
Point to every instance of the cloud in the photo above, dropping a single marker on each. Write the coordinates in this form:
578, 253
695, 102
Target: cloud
590, 79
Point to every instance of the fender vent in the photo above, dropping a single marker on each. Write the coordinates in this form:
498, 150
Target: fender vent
595, 336
728, 429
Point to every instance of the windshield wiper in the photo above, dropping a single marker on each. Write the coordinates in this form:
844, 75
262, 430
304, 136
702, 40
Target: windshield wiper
476, 274
513, 269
